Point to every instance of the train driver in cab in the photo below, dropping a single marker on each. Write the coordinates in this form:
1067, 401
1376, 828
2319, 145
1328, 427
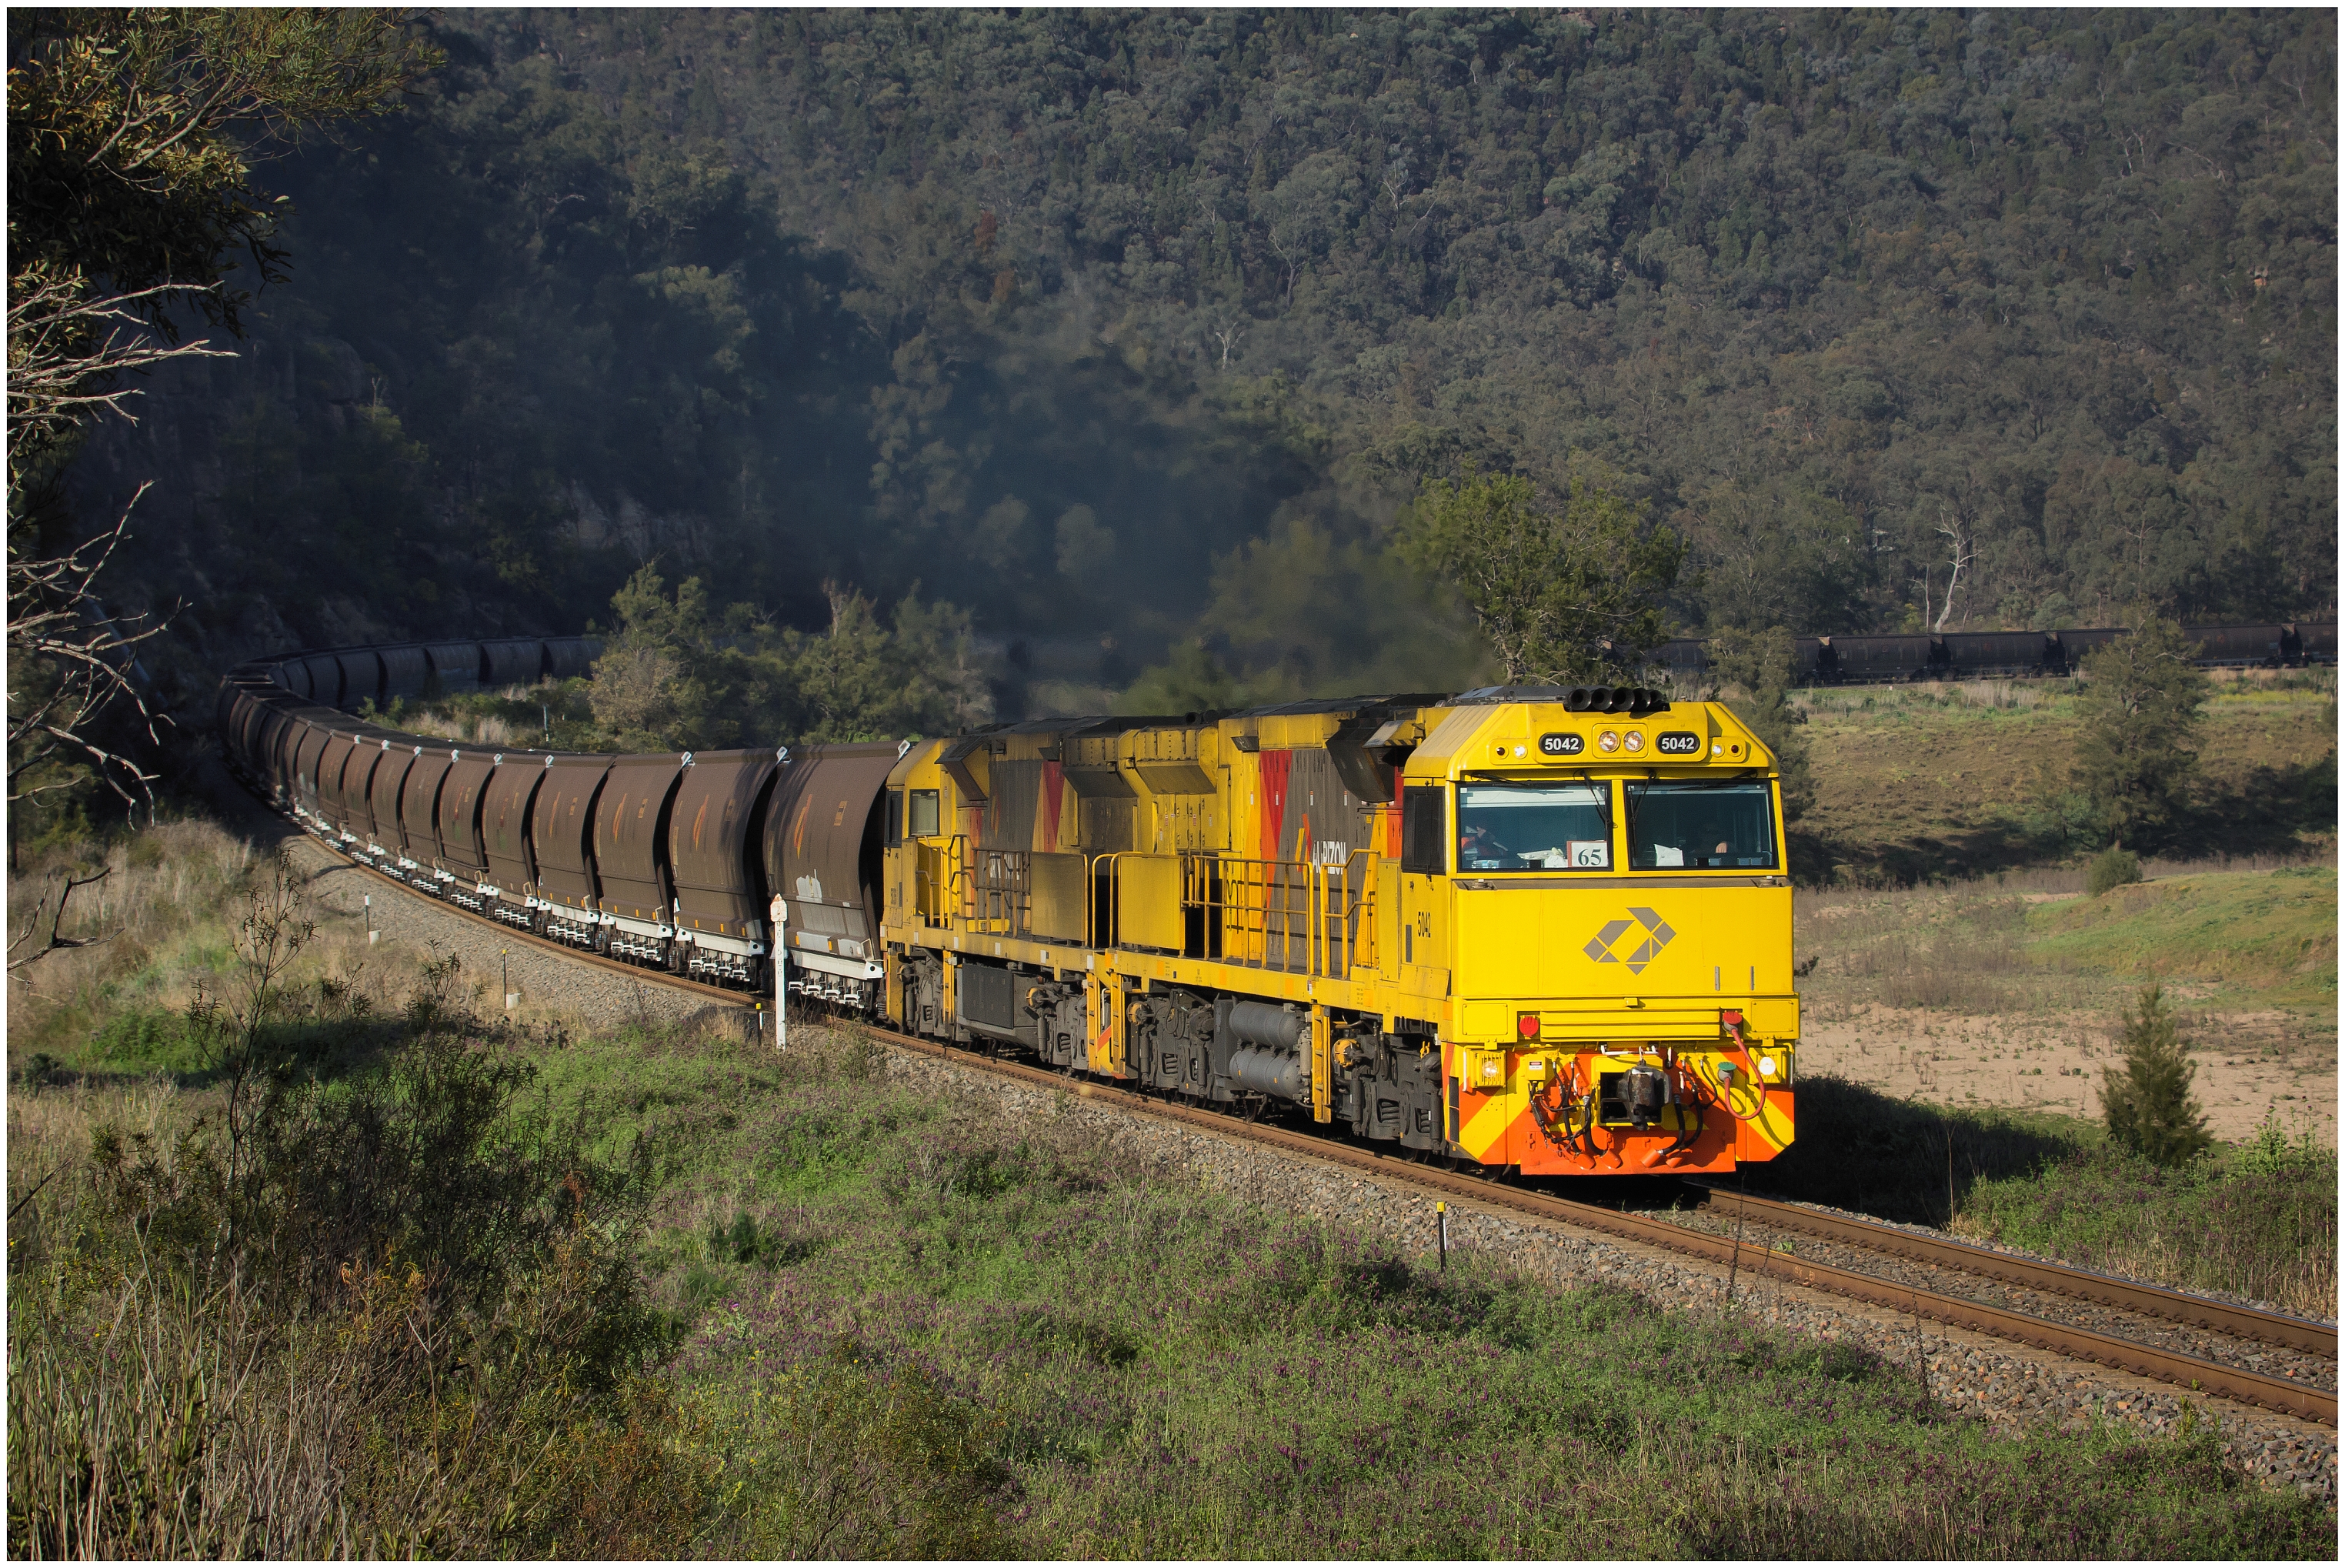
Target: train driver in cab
1478, 850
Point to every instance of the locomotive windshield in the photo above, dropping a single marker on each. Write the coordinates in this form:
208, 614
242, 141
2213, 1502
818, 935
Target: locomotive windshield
1705, 826
1534, 826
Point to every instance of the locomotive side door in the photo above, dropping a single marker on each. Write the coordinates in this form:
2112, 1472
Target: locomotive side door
1425, 832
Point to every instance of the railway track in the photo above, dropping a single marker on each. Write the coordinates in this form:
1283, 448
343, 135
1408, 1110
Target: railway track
2195, 1373
2107, 1290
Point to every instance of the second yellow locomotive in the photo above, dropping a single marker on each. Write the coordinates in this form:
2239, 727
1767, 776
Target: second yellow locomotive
1536, 928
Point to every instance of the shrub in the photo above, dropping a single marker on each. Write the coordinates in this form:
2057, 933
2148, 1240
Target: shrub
856, 1454
2147, 1100
2112, 868
400, 1313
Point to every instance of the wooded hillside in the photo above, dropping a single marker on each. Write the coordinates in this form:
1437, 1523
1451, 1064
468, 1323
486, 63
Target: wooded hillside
1126, 330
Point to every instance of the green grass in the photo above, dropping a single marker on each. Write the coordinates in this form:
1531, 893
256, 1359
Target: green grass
2264, 938
2259, 1219
2231, 940
1159, 1370
2256, 1219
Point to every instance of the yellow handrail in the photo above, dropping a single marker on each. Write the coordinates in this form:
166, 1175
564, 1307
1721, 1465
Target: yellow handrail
1294, 916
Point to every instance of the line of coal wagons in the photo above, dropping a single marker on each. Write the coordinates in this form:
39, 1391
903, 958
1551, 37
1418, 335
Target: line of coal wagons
673, 860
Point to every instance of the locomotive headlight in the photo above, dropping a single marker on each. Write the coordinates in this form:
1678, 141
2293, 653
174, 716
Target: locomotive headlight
1766, 1066
1608, 741
1636, 742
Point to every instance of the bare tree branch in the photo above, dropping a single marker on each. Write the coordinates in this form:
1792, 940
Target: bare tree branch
55, 917
68, 659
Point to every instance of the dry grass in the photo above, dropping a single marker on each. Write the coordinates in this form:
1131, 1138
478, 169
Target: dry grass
1944, 780
160, 932
207, 1434
1975, 948
1992, 695
514, 716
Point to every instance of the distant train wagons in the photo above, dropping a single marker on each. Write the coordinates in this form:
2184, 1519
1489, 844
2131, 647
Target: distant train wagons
1968, 656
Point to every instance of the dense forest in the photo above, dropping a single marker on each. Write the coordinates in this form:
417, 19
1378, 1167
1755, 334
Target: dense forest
1135, 335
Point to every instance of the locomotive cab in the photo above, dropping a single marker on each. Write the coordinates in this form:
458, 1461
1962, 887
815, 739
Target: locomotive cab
1609, 895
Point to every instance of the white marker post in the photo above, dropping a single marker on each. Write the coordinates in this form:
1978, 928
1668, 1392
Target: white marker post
781, 979
369, 918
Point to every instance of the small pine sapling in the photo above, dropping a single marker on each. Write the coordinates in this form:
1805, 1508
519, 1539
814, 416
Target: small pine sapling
2147, 1098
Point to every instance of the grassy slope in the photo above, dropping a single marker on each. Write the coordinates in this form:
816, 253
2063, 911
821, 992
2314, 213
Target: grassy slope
1163, 1371
2229, 939
1920, 782
2256, 939
2256, 1219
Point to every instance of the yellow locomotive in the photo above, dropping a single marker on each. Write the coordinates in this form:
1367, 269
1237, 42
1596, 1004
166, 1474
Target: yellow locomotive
1538, 928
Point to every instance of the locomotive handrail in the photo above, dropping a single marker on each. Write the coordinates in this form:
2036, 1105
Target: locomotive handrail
1093, 937
1260, 903
946, 897
1000, 901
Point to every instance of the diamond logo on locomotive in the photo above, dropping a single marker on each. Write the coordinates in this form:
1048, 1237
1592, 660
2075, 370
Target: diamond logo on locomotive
1654, 935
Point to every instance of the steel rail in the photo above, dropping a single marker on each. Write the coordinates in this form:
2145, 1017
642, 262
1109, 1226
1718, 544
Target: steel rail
2053, 1278
2208, 1378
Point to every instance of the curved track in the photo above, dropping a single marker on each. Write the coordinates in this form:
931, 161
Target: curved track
2197, 1373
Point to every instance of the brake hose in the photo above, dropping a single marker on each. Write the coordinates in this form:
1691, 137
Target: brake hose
1725, 1095
1541, 1115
